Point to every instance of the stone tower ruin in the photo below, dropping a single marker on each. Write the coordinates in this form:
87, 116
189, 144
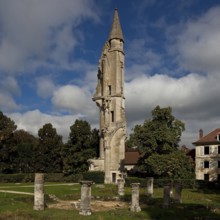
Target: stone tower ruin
109, 97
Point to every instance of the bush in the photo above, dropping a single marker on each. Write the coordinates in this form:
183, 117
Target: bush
48, 177
95, 176
17, 178
73, 178
202, 184
159, 183
186, 183
130, 180
60, 177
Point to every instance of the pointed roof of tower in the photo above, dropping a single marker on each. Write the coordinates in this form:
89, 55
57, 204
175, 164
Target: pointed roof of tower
116, 31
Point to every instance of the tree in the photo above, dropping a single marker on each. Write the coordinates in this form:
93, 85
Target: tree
81, 146
159, 135
175, 165
25, 145
7, 128
48, 152
94, 142
158, 139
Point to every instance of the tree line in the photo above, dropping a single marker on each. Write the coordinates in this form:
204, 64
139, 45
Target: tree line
21, 152
157, 139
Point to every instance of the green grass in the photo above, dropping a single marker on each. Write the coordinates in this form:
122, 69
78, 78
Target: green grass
195, 203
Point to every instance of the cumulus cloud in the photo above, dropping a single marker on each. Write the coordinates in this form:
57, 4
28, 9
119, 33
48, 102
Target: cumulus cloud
10, 85
39, 30
147, 92
45, 87
7, 103
140, 59
42, 33
74, 99
9, 88
192, 97
198, 44
32, 121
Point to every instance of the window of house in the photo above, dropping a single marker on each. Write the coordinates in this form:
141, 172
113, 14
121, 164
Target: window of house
218, 177
206, 150
218, 149
206, 177
206, 164
112, 116
219, 164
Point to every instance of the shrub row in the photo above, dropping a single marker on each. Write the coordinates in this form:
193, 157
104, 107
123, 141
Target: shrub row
95, 176
29, 177
17, 178
208, 185
158, 183
98, 178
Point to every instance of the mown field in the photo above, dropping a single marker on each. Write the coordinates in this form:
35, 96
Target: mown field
203, 204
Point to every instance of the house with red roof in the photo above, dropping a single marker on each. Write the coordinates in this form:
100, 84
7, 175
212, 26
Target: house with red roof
132, 157
207, 156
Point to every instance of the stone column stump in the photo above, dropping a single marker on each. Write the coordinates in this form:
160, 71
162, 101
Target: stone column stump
135, 198
39, 192
121, 187
166, 196
150, 186
85, 202
178, 191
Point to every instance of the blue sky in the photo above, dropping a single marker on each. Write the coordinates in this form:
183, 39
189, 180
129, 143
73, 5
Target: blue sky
49, 52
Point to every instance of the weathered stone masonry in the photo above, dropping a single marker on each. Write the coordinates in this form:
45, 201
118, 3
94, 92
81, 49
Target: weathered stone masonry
109, 97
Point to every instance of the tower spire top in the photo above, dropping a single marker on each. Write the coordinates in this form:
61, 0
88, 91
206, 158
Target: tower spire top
116, 31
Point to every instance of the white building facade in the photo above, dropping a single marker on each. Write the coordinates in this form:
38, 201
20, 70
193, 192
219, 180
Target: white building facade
207, 156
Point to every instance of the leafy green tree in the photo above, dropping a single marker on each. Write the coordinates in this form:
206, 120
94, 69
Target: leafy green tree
159, 135
158, 139
94, 142
81, 146
25, 145
7, 151
48, 152
175, 165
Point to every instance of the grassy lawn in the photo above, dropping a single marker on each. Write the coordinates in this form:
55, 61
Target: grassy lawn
204, 204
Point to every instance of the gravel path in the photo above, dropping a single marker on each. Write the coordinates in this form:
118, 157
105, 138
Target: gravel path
27, 193
17, 192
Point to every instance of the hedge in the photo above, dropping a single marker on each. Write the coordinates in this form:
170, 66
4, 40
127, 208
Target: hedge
49, 177
158, 183
17, 178
95, 176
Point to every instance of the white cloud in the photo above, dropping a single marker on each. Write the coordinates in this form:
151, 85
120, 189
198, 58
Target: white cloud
9, 88
74, 99
32, 121
149, 91
37, 30
198, 43
45, 87
7, 103
44, 32
140, 59
10, 85
193, 98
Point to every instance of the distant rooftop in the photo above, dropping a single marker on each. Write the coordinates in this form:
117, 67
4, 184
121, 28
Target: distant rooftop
210, 138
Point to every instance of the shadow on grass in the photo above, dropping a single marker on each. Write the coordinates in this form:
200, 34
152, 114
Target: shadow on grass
153, 207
